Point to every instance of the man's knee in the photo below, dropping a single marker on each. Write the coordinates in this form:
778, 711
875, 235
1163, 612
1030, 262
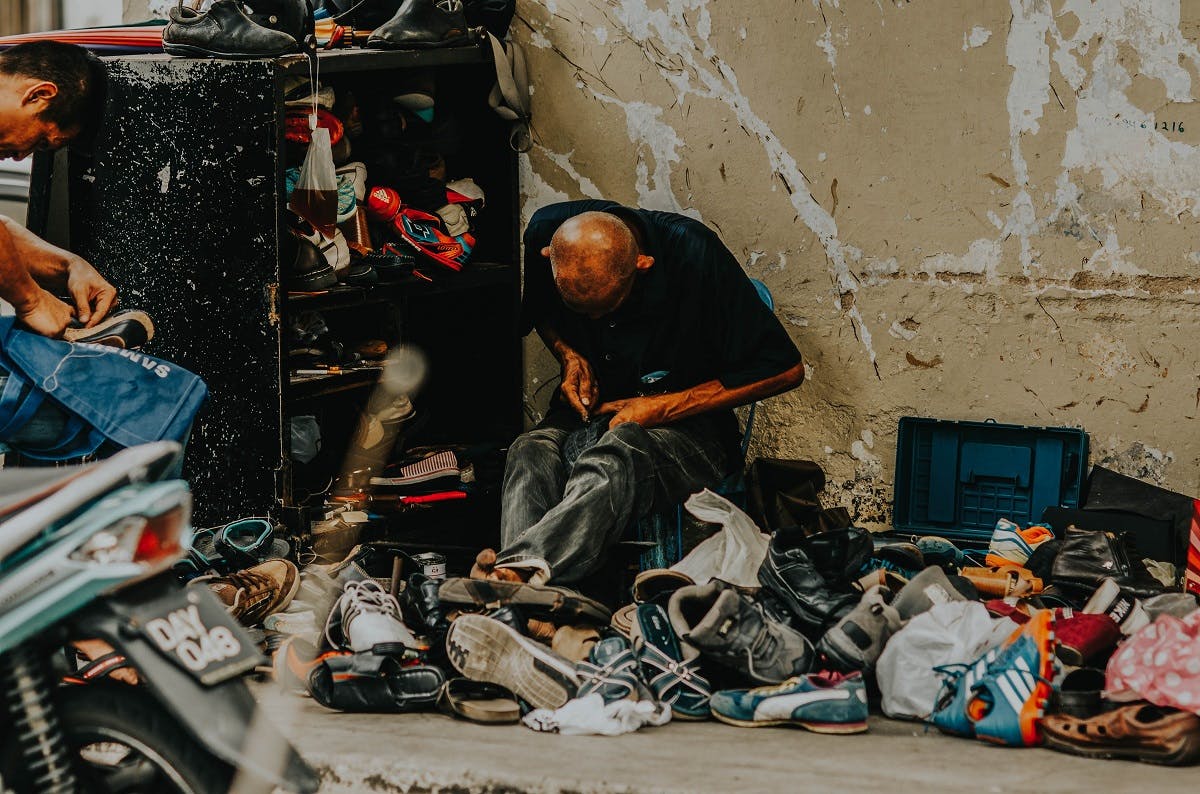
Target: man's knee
535, 444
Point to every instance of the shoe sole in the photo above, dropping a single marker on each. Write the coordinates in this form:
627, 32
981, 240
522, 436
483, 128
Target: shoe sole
539, 602
1185, 752
483, 649
834, 728
321, 279
188, 51
380, 44
141, 318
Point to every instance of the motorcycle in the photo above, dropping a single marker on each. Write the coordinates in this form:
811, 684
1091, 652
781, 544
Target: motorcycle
86, 553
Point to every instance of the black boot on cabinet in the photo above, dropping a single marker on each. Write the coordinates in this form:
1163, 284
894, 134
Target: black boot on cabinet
293, 17
224, 31
423, 24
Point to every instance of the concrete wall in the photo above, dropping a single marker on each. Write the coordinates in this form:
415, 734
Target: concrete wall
965, 210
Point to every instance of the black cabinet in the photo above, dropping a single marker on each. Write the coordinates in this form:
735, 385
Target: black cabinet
179, 203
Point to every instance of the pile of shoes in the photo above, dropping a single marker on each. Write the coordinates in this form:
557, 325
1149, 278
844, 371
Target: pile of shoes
250, 570
400, 211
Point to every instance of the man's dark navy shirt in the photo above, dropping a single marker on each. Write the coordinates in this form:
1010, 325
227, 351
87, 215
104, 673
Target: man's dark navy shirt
694, 315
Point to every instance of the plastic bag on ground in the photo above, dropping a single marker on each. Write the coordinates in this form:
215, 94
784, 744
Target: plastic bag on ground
1159, 663
734, 553
955, 633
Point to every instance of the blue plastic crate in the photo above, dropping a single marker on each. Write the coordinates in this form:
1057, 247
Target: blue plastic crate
956, 479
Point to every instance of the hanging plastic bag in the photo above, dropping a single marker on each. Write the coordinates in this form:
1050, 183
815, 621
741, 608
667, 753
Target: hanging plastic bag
734, 554
315, 197
955, 633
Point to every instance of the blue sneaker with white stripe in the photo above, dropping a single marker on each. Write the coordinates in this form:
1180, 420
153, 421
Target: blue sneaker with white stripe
950, 710
1009, 701
819, 702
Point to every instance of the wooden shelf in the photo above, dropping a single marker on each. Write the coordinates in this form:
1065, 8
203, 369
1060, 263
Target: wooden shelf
306, 387
476, 276
357, 59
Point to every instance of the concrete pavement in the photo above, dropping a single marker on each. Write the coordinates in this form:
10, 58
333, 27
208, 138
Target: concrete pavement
416, 753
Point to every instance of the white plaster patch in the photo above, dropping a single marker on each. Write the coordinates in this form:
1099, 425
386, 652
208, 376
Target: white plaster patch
563, 160
982, 258
539, 39
867, 110
976, 38
821, 157
1194, 257
164, 178
900, 332
742, 33
535, 192
1111, 357
658, 140
601, 34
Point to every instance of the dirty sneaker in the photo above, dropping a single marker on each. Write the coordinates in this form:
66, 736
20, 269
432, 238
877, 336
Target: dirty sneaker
820, 702
610, 671
366, 615
253, 594
484, 649
668, 664
730, 629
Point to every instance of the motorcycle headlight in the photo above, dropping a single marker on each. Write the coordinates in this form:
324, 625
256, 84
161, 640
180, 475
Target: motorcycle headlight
152, 541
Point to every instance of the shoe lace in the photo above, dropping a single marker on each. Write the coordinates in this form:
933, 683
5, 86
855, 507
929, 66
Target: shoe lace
365, 596
246, 581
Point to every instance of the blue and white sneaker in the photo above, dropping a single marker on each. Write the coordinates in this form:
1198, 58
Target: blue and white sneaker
950, 709
1011, 545
819, 702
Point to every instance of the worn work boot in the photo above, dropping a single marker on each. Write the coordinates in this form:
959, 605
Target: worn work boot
730, 629
790, 574
423, 24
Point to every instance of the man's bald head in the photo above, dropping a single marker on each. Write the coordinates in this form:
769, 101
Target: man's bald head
594, 256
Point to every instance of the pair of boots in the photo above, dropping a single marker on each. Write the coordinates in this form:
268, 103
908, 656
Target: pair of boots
279, 27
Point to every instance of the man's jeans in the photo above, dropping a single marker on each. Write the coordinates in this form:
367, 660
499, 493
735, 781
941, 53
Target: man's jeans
569, 517
43, 430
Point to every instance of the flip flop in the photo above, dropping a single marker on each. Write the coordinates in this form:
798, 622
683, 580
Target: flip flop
479, 701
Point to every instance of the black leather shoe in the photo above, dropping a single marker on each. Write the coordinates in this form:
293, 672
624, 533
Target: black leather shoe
128, 330
423, 24
311, 271
224, 31
293, 17
1089, 557
423, 594
791, 575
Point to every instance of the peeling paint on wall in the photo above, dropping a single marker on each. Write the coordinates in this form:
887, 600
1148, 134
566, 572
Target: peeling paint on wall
1017, 200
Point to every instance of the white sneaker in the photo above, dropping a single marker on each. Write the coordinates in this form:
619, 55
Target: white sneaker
368, 615
1126, 610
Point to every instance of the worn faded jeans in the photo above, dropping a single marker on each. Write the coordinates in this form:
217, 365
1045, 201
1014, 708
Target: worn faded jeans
569, 517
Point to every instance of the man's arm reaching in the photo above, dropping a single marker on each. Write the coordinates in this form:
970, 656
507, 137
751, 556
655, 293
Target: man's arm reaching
661, 409
40, 311
58, 269
579, 387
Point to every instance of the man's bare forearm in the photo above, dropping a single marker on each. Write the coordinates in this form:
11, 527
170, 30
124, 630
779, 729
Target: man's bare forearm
17, 285
47, 264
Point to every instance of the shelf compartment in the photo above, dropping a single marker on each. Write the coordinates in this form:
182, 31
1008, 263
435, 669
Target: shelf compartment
475, 276
301, 387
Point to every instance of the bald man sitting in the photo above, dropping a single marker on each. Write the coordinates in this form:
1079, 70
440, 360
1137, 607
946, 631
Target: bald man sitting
660, 335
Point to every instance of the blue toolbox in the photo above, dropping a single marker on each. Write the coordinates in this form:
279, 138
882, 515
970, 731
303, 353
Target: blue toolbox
956, 479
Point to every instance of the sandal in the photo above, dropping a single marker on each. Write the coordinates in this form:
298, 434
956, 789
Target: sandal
1003, 582
1138, 732
98, 668
378, 680
479, 701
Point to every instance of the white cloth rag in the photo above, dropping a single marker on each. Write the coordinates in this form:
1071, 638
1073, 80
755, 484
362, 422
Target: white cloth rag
588, 716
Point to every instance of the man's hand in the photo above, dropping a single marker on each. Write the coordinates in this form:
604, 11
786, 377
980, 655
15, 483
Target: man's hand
93, 295
579, 386
645, 411
45, 314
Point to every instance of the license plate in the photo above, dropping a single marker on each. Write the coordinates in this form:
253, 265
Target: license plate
192, 629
